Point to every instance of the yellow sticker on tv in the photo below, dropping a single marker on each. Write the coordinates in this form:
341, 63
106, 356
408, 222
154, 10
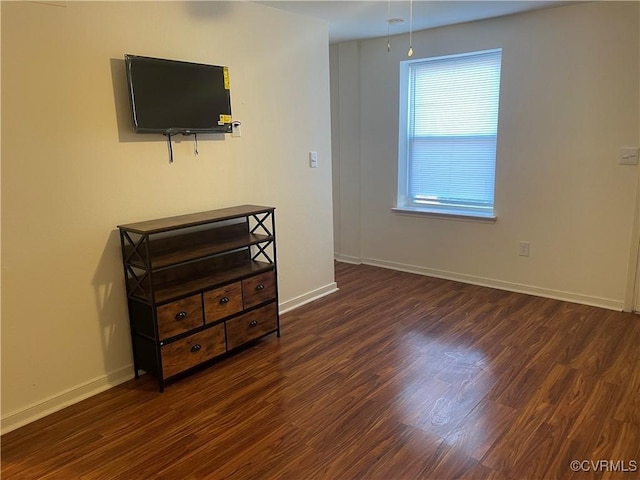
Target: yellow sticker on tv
225, 75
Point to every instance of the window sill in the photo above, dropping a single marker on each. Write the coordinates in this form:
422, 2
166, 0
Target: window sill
444, 214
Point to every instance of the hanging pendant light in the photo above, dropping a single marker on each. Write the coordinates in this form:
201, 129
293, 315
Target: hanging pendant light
391, 21
410, 52
388, 25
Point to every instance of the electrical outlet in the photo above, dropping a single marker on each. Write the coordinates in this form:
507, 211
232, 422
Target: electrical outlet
523, 250
235, 129
628, 156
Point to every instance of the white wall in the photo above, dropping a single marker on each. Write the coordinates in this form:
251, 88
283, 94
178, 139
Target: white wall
345, 114
569, 100
72, 170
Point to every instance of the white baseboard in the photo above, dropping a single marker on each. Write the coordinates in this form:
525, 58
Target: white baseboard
59, 401
308, 297
607, 303
348, 259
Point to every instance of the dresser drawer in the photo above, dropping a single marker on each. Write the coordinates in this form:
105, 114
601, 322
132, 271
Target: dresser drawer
258, 289
179, 316
222, 302
251, 325
192, 350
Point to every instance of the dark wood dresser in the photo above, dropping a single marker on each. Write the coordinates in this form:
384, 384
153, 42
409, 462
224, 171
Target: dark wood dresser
199, 286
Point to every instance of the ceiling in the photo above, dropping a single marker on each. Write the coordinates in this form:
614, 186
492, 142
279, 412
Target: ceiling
360, 19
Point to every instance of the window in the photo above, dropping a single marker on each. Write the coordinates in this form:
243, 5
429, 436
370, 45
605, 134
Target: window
448, 133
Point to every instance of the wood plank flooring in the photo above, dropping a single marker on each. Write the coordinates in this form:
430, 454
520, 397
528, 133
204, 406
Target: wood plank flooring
396, 376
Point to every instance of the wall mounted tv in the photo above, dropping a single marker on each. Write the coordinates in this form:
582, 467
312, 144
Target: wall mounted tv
171, 97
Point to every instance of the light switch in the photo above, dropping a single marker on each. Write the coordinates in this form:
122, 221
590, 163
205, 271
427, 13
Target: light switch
313, 159
628, 156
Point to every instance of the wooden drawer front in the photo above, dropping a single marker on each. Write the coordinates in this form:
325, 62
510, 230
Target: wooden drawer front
222, 302
251, 325
258, 289
192, 350
179, 316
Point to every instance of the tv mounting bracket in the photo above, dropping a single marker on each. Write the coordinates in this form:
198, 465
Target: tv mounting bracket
170, 134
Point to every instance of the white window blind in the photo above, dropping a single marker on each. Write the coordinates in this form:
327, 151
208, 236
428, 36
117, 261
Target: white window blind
450, 133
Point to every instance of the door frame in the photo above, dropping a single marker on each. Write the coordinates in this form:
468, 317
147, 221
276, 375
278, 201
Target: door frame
632, 295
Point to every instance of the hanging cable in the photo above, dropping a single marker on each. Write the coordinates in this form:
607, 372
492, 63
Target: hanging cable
168, 135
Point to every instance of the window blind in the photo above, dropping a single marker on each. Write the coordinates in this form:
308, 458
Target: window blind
451, 131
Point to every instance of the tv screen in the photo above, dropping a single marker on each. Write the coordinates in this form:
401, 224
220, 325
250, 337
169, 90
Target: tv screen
170, 96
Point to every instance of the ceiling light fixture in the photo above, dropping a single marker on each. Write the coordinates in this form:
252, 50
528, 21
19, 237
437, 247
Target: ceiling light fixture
388, 25
410, 52
391, 21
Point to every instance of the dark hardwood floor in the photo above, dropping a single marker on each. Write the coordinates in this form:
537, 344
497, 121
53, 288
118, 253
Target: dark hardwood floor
396, 376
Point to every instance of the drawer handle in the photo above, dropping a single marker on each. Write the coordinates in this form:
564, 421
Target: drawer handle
181, 315
224, 300
196, 348
260, 287
253, 323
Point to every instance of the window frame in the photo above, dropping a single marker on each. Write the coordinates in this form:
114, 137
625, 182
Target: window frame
405, 204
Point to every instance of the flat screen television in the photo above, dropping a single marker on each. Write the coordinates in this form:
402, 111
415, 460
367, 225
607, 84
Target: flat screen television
171, 97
